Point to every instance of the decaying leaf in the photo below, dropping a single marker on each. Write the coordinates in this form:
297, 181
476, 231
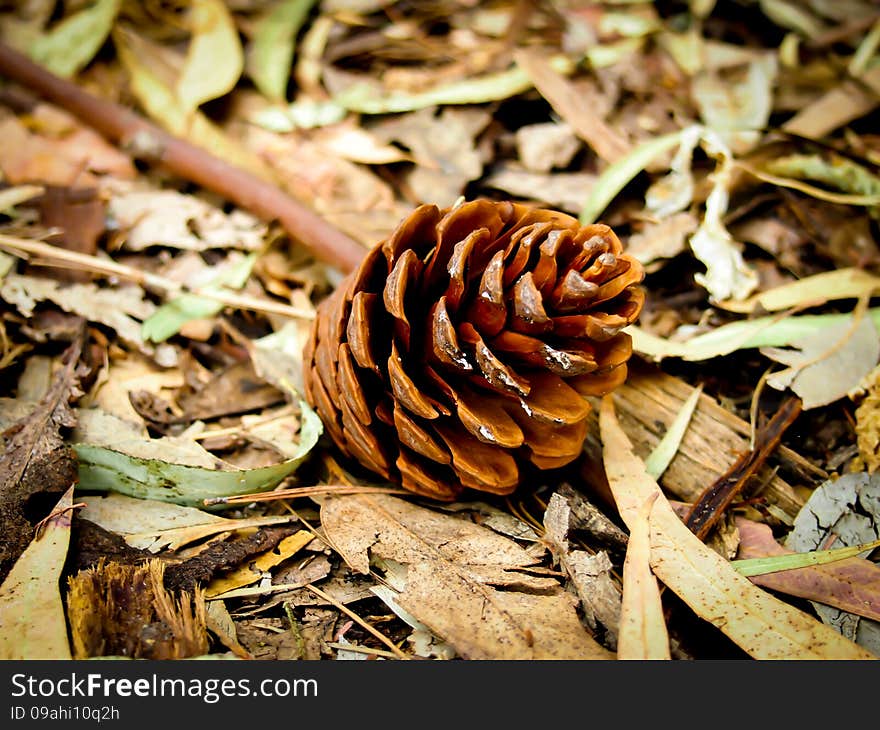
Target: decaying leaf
32, 622
155, 526
828, 364
842, 511
851, 584
460, 575
763, 626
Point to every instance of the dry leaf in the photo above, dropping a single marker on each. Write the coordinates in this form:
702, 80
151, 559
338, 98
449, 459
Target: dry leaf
155, 526
258, 566
643, 633
32, 622
827, 364
852, 584
761, 625
454, 572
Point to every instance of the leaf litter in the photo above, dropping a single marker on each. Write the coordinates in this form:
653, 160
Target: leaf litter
736, 160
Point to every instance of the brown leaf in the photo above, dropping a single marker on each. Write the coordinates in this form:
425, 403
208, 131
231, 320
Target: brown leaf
851, 585
454, 572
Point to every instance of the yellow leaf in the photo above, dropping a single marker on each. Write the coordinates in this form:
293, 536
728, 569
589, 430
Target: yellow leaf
32, 621
850, 283
763, 626
214, 59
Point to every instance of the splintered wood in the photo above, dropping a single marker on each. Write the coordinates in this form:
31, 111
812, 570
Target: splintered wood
648, 403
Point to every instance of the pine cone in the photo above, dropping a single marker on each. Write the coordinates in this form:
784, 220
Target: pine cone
460, 350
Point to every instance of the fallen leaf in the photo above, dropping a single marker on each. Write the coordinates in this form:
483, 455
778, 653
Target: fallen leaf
826, 365
270, 55
108, 468
590, 575
563, 190
851, 585
544, 146
643, 633
152, 525
573, 105
763, 626
848, 283
214, 58
122, 308
461, 576
32, 622
168, 319
663, 453
442, 144
771, 331
363, 97
868, 421
168, 218
75, 40
617, 175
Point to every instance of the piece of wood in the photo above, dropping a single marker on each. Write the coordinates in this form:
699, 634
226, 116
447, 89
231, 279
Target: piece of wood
646, 405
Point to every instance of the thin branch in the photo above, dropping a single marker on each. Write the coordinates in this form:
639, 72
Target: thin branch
23, 248
129, 130
358, 620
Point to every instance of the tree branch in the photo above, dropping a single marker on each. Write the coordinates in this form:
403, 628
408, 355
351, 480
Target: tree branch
129, 130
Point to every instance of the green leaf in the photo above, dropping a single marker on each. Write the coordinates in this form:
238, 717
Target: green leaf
761, 566
365, 99
170, 317
214, 59
663, 453
771, 331
617, 175
105, 469
73, 42
271, 53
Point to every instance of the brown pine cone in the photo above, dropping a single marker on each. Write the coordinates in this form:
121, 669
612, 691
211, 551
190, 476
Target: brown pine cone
461, 348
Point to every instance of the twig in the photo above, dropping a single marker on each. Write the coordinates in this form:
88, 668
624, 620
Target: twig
303, 492
23, 247
358, 620
712, 503
132, 132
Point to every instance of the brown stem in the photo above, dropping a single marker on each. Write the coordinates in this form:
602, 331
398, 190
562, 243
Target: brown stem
128, 130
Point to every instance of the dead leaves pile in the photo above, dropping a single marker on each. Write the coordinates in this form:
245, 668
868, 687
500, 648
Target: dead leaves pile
150, 333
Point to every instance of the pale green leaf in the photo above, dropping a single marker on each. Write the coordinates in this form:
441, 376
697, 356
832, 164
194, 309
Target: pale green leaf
271, 53
849, 283
617, 175
760, 332
32, 621
666, 449
171, 316
365, 99
104, 469
792, 15
845, 175
73, 42
214, 59
762, 566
